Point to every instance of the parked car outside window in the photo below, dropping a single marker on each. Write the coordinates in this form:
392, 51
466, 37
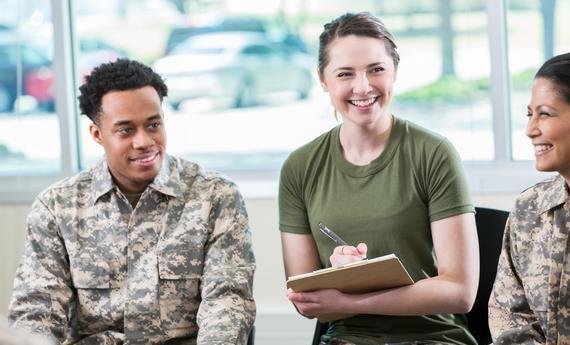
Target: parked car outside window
26, 68
237, 68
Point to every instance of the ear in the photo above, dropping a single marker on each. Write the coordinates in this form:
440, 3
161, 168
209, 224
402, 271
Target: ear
322, 81
95, 132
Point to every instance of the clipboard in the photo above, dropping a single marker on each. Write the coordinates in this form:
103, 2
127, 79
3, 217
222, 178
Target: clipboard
384, 272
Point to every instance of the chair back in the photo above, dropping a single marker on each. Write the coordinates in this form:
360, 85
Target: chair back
320, 329
490, 228
251, 336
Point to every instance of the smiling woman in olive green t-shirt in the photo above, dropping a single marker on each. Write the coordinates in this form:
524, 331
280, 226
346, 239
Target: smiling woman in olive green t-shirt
389, 186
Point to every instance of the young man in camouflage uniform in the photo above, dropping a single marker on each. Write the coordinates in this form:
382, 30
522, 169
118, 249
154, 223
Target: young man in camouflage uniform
141, 248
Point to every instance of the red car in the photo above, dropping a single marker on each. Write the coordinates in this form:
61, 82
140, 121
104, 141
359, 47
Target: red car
26, 69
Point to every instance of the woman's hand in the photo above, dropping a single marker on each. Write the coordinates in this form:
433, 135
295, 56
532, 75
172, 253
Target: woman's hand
315, 303
347, 254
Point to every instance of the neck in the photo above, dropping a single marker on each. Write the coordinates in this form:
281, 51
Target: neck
362, 144
132, 197
130, 188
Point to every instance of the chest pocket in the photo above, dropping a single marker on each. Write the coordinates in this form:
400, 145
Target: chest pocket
92, 281
179, 270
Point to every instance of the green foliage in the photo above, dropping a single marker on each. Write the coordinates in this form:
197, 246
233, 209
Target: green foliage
7, 153
4, 150
451, 89
446, 89
523, 80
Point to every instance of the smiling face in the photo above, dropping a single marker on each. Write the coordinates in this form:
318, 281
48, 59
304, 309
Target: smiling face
549, 128
360, 78
130, 129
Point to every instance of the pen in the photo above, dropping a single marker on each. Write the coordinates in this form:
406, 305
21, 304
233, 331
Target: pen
330, 234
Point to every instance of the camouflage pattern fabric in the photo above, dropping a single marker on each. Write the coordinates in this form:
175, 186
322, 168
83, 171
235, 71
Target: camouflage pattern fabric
10, 336
177, 269
530, 302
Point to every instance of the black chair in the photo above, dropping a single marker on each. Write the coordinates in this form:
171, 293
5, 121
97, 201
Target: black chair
251, 336
490, 228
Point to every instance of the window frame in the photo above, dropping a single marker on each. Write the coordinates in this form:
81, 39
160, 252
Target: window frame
501, 175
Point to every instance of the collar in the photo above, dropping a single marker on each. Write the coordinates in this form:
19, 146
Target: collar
554, 194
102, 180
167, 181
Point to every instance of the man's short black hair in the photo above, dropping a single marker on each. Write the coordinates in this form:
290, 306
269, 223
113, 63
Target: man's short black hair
121, 75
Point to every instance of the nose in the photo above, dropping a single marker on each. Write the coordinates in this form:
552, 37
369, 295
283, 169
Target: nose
532, 128
142, 140
361, 85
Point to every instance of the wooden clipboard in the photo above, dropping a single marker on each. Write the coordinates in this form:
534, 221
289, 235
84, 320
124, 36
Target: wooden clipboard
384, 272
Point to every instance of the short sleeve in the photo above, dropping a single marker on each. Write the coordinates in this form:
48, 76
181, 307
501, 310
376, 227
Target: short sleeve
448, 191
292, 209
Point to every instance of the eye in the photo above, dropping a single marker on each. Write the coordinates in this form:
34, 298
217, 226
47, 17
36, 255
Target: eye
155, 125
125, 130
544, 114
343, 74
529, 114
377, 69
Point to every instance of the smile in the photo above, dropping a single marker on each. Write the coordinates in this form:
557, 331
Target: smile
363, 102
542, 148
146, 159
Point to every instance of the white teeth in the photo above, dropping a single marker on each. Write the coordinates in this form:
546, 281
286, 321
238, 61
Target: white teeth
540, 148
145, 159
363, 102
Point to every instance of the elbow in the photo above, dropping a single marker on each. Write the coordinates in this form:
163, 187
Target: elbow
465, 304
465, 299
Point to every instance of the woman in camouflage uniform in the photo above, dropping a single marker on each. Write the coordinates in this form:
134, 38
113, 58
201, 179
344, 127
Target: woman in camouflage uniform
530, 302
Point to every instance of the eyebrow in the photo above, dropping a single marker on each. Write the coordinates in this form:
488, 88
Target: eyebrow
374, 64
128, 122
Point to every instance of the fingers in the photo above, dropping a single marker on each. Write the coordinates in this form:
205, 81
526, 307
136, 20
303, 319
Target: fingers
300, 297
315, 303
362, 249
359, 251
345, 250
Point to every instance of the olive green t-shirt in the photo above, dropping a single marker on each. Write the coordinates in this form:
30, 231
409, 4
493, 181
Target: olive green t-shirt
387, 204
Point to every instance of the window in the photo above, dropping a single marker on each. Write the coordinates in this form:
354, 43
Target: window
443, 78
29, 129
536, 33
244, 113
247, 111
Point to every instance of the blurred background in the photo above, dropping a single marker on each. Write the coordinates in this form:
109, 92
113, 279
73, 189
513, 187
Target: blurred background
241, 74
244, 93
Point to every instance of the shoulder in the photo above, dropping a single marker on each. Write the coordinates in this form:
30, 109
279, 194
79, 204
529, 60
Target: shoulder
425, 147
307, 158
313, 149
67, 189
418, 138
418, 133
528, 203
193, 177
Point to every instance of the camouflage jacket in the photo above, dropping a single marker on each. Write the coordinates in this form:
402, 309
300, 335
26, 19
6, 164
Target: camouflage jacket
530, 303
178, 268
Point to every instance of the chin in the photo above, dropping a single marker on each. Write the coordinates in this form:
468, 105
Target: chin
544, 167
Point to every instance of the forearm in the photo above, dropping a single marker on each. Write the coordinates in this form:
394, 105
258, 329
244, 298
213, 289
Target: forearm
42, 293
437, 295
227, 310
